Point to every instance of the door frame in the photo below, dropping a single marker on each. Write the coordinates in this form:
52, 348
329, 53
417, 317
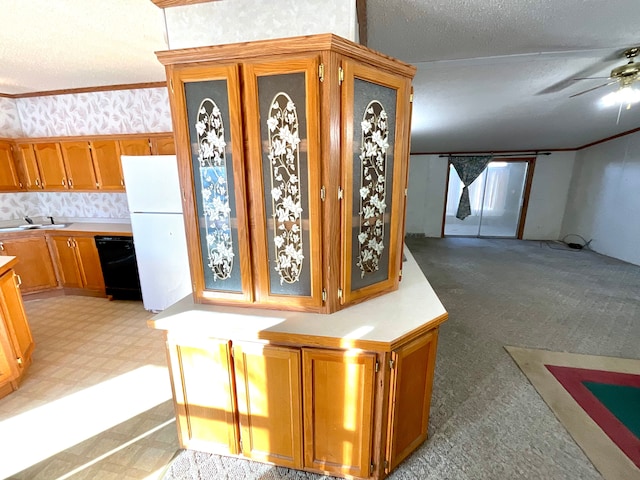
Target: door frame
531, 165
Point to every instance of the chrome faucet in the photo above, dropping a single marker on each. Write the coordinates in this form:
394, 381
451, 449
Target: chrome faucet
28, 220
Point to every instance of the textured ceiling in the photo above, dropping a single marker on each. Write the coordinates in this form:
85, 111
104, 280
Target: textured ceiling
493, 75
60, 44
496, 75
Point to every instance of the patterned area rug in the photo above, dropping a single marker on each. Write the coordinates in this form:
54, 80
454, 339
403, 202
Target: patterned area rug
597, 399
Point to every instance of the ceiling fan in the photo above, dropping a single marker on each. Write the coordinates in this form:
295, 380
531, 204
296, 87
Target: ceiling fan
625, 75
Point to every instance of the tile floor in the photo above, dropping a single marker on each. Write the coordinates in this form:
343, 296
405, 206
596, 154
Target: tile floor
96, 401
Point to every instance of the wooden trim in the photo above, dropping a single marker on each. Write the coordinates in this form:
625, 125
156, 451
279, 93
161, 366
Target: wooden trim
89, 138
529, 151
177, 3
531, 166
629, 132
361, 12
269, 49
70, 91
446, 197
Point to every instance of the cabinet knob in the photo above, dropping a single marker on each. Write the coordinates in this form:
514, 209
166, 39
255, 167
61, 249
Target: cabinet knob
18, 280
19, 360
70, 182
37, 182
69, 242
63, 183
1, 246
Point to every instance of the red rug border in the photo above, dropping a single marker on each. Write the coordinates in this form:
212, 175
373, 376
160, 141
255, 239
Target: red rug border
571, 379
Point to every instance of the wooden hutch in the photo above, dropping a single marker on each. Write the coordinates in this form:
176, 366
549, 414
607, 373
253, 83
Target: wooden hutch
293, 163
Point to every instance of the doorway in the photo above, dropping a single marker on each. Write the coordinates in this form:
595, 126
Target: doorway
499, 198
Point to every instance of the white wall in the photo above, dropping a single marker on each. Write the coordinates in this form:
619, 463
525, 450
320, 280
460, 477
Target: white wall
551, 180
425, 199
10, 126
548, 198
604, 198
214, 23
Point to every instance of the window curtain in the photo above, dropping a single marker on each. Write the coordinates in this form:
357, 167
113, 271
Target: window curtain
468, 169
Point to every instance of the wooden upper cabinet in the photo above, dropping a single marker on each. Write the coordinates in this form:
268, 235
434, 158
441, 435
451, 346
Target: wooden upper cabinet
9, 180
375, 116
283, 136
28, 166
51, 166
212, 154
106, 160
163, 146
35, 267
135, 146
79, 165
338, 411
321, 126
269, 394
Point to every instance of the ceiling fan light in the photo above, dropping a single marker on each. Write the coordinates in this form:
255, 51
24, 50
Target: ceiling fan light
623, 96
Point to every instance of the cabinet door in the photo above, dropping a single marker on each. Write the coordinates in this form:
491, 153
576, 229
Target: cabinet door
66, 262
9, 180
212, 175
374, 161
282, 106
89, 263
269, 403
410, 396
8, 366
34, 262
13, 310
28, 166
338, 410
51, 166
138, 146
79, 165
106, 161
163, 146
204, 392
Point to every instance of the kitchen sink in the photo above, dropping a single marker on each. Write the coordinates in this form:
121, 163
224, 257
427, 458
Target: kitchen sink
33, 226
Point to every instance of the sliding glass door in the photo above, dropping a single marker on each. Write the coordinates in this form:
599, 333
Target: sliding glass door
496, 196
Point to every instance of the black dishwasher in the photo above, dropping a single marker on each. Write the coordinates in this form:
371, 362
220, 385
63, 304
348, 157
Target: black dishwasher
119, 267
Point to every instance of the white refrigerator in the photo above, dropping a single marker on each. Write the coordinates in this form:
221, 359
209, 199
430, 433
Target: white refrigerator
155, 206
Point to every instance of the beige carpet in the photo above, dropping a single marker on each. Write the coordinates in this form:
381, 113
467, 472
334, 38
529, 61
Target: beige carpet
610, 461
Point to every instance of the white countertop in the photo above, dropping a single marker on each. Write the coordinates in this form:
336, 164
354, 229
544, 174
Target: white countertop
381, 323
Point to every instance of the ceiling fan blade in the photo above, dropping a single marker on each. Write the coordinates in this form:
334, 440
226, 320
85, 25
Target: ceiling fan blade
591, 78
592, 89
594, 68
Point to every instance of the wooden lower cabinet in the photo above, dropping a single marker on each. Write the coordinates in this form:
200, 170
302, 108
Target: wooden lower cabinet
410, 396
338, 410
16, 342
269, 403
78, 262
35, 267
204, 394
348, 413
